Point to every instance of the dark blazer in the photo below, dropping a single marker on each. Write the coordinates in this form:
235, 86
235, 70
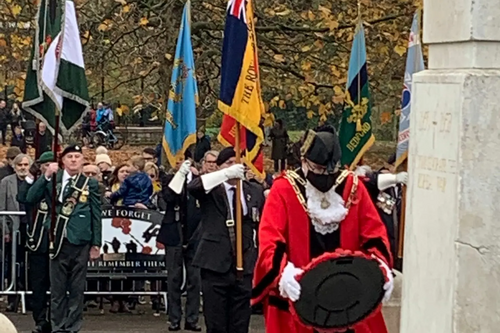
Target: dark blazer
84, 225
29, 208
215, 251
182, 228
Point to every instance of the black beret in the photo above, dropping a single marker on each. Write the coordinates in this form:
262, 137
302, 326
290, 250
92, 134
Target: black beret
71, 149
225, 155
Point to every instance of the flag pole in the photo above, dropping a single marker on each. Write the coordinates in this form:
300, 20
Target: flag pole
239, 235
402, 219
54, 185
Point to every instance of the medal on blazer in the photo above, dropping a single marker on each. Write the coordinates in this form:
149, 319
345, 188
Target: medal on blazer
85, 195
68, 207
44, 206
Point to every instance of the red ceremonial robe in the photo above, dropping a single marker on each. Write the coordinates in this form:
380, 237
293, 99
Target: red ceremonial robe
284, 237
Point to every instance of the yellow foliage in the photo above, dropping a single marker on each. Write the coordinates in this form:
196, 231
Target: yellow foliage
310, 114
311, 16
306, 65
126, 9
335, 71
3, 42
104, 25
16, 10
285, 12
168, 56
400, 50
279, 58
282, 104
143, 22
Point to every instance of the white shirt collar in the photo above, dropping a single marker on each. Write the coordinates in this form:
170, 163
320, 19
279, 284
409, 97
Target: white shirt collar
66, 176
189, 177
228, 186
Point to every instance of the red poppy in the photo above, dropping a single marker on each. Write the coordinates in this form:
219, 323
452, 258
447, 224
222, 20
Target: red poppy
147, 250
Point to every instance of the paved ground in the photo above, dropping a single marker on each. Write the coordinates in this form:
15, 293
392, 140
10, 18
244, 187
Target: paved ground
121, 323
147, 323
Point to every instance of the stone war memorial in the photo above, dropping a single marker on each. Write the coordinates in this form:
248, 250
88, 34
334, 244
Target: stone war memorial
452, 270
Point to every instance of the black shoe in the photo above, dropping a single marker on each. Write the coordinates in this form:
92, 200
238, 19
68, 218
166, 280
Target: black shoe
174, 327
192, 327
11, 308
37, 329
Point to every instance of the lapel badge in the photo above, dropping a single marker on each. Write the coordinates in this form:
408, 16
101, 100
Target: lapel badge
249, 197
67, 209
197, 204
44, 206
83, 198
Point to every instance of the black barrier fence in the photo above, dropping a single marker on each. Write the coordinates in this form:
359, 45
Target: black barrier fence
129, 261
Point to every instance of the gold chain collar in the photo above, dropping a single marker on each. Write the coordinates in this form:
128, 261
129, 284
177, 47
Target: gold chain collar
293, 178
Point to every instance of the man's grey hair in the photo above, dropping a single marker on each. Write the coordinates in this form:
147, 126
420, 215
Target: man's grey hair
213, 153
20, 157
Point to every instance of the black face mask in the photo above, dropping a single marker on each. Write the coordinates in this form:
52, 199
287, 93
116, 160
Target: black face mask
322, 182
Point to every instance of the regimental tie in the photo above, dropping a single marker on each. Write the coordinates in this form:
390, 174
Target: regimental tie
67, 188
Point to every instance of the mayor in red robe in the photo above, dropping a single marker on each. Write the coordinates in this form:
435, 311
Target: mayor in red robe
307, 213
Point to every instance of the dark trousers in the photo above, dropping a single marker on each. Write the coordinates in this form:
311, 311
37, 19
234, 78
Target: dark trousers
226, 301
176, 258
68, 272
39, 279
3, 130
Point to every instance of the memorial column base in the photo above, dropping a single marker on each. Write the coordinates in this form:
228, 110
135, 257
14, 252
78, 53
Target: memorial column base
452, 237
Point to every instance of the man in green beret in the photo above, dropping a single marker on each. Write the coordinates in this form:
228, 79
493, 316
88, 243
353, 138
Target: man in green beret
77, 235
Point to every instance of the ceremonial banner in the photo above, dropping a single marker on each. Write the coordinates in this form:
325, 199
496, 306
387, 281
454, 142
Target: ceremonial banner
130, 230
180, 122
240, 92
356, 128
414, 64
56, 82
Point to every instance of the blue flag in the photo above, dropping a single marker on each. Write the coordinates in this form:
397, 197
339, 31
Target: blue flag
180, 121
414, 64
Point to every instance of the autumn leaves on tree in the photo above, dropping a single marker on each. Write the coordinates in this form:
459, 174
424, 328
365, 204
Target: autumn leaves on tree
304, 51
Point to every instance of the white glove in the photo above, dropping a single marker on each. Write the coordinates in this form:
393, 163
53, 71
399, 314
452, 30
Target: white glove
236, 171
363, 170
288, 285
389, 285
213, 179
402, 177
185, 168
177, 183
386, 180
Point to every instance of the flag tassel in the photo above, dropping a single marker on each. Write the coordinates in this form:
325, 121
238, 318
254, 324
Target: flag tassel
359, 128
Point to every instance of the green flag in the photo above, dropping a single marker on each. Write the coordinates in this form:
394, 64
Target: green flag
56, 82
356, 128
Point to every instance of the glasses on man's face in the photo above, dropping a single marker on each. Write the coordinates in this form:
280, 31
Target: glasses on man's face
90, 174
210, 162
152, 176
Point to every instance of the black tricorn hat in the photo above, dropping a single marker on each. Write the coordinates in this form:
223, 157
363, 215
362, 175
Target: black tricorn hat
322, 147
339, 290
